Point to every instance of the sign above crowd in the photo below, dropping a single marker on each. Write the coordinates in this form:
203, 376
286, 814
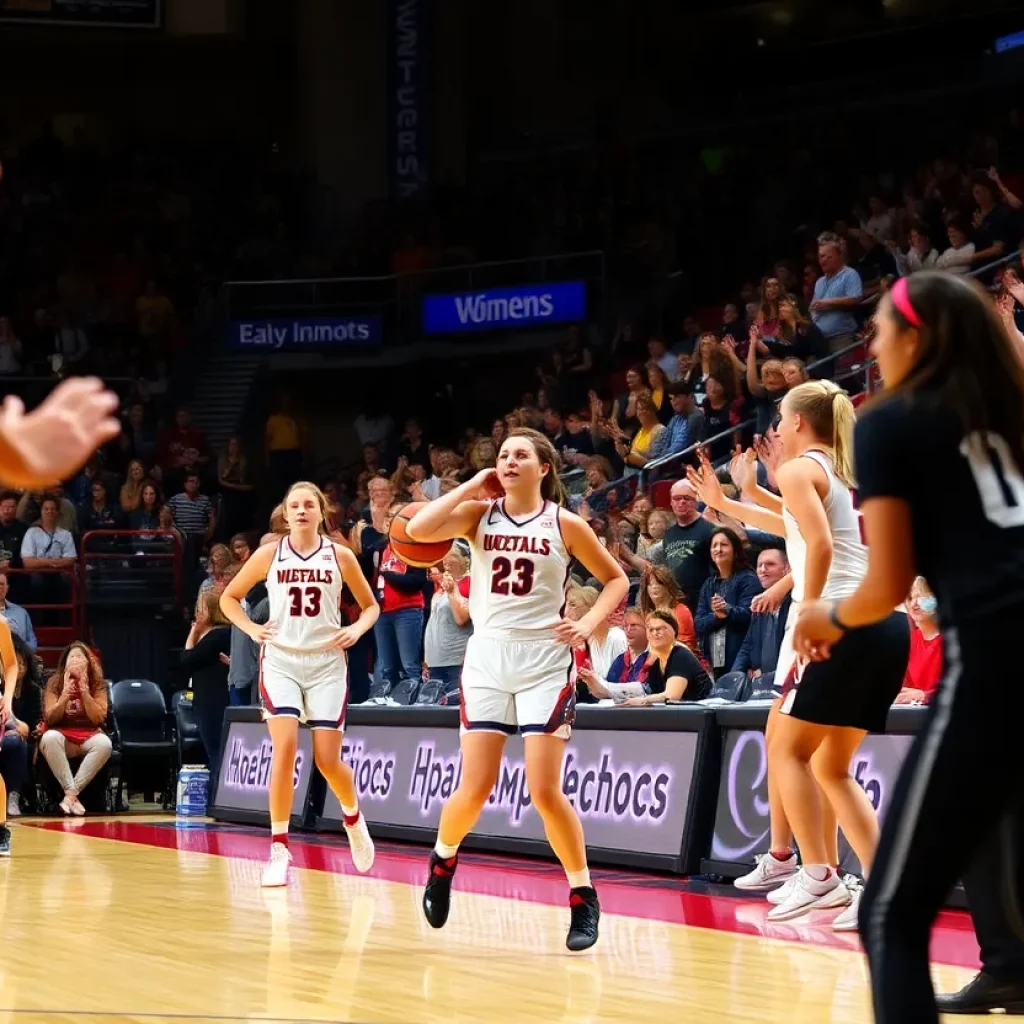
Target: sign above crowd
502, 309
97, 13
304, 334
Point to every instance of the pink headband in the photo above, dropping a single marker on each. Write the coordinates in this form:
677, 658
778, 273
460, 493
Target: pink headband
901, 300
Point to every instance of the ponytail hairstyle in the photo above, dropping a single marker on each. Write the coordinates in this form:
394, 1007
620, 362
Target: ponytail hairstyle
321, 500
829, 413
551, 488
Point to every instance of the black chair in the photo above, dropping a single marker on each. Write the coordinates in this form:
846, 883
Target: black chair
734, 686
190, 746
146, 732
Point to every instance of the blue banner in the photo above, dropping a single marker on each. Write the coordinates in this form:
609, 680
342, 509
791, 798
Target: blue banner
305, 333
496, 309
408, 100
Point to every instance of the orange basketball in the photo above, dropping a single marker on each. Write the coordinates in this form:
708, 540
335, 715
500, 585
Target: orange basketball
419, 556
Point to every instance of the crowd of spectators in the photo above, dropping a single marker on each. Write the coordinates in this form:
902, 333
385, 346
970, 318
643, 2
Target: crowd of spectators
624, 410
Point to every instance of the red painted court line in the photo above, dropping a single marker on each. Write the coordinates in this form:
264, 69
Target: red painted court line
953, 940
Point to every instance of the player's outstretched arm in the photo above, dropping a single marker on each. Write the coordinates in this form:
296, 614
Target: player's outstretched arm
457, 513
356, 582
254, 571
54, 440
583, 544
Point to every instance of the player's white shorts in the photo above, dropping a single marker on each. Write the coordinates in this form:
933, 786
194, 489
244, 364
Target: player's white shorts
311, 687
510, 685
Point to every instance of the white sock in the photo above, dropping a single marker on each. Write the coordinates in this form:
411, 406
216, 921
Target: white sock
820, 878
444, 851
349, 812
279, 828
578, 879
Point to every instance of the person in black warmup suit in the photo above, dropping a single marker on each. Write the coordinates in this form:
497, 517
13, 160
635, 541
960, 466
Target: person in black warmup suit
951, 421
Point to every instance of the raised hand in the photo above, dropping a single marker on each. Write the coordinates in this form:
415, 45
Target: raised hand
743, 470
485, 485
705, 482
54, 440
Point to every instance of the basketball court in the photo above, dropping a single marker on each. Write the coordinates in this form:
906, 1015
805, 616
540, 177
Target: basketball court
134, 919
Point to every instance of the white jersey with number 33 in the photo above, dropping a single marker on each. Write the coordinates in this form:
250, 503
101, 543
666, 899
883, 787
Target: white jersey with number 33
518, 574
304, 596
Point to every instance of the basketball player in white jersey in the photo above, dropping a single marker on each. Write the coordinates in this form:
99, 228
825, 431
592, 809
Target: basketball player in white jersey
519, 669
303, 667
824, 715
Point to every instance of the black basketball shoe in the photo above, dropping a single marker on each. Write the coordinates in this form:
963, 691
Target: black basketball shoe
437, 896
585, 912
5, 841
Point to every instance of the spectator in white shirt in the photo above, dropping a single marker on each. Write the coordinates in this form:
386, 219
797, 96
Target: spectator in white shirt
957, 258
920, 254
880, 220
47, 547
606, 643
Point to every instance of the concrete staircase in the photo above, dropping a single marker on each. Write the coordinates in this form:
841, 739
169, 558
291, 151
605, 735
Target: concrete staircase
220, 395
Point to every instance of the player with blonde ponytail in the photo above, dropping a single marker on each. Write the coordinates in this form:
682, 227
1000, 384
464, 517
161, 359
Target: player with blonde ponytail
826, 707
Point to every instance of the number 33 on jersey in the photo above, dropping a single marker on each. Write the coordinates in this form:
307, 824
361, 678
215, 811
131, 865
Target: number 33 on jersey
518, 573
305, 596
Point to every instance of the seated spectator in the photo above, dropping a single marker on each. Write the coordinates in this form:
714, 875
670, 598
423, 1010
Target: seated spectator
399, 629
75, 706
222, 567
658, 522
687, 425
721, 412
606, 643
628, 672
445, 465
138, 438
712, 358
796, 337
624, 414
659, 355
733, 326
17, 617
768, 391
759, 653
165, 521
795, 372
12, 531
449, 627
767, 319
958, 257
181, 449
920, 254
240, 548
147, 514
131, 489
660, 383
572, 439
675, 672
635, 452
659, 591
30, 508
236, 487
193, 511
22, 729
10, 349
99, 514
924, 667
206, 658
997, 227
48, 546
723, 612
413, 445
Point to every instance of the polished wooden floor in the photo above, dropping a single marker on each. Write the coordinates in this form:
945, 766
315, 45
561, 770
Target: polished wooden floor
138, 921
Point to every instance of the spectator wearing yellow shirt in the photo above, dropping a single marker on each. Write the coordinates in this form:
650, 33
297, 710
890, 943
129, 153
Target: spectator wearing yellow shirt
637, 453
285, 437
